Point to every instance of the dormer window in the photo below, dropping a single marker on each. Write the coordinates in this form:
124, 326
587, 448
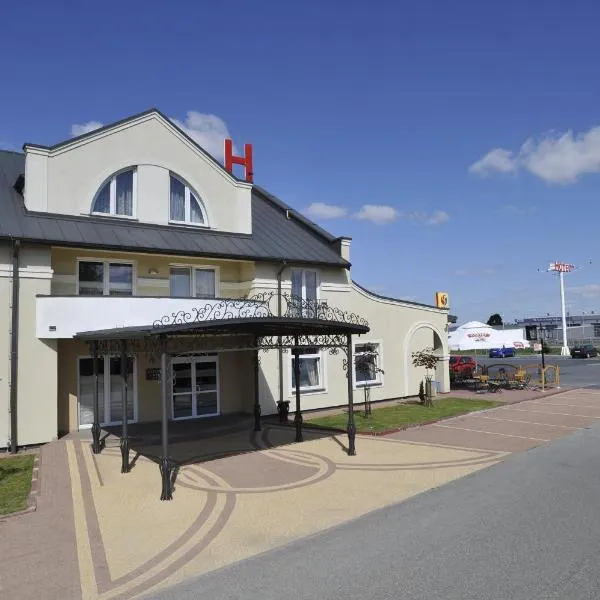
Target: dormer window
185, 206
117, 195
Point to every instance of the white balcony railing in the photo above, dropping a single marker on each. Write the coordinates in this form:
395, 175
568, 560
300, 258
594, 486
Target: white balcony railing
65, 316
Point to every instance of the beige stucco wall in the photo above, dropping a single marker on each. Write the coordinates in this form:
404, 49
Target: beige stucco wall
37, 373
67, 179
400, 329
151, 270
236, 385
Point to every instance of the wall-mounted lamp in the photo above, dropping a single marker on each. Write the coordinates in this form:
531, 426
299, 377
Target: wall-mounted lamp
152, 271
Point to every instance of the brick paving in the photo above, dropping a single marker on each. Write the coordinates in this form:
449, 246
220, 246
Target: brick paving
107, 534
38, 550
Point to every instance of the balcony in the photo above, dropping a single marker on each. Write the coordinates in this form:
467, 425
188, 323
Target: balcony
65, 316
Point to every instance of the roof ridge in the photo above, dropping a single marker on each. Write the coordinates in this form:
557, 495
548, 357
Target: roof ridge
139, 115
410, 302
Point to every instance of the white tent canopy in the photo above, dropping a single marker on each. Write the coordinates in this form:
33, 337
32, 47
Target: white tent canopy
474, 335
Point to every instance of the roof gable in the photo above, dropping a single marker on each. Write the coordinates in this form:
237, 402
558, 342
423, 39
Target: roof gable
275, 236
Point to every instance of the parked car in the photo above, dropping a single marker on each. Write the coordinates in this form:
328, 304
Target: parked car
502, 352
462, 365
584, 351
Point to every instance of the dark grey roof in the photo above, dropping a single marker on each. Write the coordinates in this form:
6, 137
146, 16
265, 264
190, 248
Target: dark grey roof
278, 231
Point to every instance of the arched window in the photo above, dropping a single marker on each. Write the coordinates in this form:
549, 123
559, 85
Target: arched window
117, 195
184, 204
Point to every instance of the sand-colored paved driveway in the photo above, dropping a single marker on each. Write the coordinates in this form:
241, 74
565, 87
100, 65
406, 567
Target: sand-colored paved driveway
125, 542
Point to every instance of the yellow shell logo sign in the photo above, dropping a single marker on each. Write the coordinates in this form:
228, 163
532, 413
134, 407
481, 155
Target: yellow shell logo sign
441, 300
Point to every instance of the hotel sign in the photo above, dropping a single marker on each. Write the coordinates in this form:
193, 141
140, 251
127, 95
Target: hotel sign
441, 300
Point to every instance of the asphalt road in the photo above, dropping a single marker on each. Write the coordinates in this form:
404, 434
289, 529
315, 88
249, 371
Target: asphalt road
525, 529
574, 372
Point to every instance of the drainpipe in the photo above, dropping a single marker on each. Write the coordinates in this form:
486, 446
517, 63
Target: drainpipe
280, 353
14, 346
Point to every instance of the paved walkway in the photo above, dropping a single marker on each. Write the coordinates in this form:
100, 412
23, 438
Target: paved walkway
100, 534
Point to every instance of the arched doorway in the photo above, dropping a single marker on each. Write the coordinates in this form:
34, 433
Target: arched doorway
420, 336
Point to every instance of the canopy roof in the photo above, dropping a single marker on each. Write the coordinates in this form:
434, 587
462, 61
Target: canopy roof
256, 326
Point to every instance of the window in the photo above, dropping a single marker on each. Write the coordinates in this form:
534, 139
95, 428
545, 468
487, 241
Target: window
104, 278
190, 282
184, 205
304, 284
110, 404
117, 195
311, 372
195, 387
305, 293
596, 330
367, 364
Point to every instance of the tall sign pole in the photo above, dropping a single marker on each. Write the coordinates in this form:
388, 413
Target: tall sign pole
565, 347
561, 269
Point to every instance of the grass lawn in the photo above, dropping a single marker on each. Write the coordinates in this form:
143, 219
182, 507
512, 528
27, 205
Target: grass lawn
15, 482
401, 415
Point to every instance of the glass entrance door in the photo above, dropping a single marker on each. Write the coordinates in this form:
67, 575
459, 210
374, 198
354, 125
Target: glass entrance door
109, 390
195, 387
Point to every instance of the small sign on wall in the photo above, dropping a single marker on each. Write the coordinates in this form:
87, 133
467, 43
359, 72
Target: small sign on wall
441, 299
153, 374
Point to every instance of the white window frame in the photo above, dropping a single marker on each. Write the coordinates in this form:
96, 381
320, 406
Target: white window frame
321, 388
196, 359
106, 262
317, 280
187, 208
373, 383
113, 196
193, 269
106, 358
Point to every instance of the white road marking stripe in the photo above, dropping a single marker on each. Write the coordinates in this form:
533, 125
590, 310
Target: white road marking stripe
528, 422
493, 433
541, 412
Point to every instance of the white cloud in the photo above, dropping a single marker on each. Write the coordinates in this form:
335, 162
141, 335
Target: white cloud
326, 211
591, 290
379, 214
83, 128
437, 217
209, 131
498, 159
556, 158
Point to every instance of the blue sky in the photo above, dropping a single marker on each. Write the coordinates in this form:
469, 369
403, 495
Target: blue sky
465, 133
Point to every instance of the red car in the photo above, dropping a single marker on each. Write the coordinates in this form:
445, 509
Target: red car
462, 365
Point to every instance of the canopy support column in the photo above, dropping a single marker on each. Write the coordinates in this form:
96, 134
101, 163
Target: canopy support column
298, 416
124, 443
165, 464
350, 373
257, 409
96, 443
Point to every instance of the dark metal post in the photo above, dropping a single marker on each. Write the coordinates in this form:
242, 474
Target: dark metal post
165, 463
14, 349
351, 425
125, 466
257, 409
298, 416
96, 444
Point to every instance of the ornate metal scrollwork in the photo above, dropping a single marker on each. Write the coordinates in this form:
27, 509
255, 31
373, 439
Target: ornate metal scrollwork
261, 305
